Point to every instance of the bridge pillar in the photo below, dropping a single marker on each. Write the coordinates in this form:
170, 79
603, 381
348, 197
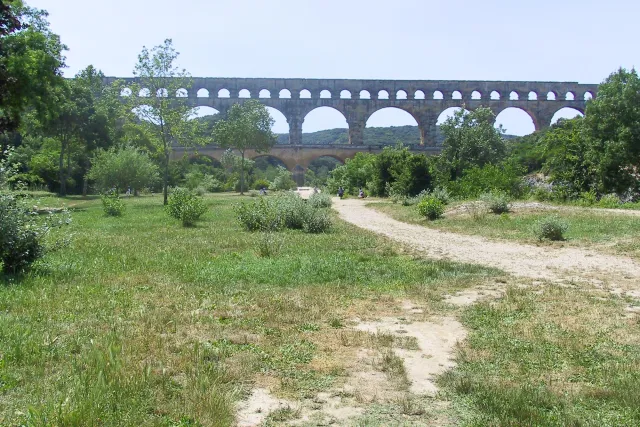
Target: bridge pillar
295, 129
542, 119
356, 132
428, 129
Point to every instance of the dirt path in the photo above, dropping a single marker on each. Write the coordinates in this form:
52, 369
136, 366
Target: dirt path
518, 259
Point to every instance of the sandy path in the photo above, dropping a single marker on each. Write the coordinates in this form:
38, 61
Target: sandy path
518, 259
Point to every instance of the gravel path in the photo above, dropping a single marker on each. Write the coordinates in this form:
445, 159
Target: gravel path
539, 262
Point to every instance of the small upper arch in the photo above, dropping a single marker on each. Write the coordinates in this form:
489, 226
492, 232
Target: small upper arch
305, 93
383, 94
345, 94
438, 95
551, 96
182, 93
401, 94
202, 93
364, 94
244, 93
513, 96
456, 95
476, 95
588, 95
495, 95
264, 93
570, 96
325, 94
285, 94
224, 93
533, 96
419, 95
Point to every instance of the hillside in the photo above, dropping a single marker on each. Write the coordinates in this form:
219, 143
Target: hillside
408, 135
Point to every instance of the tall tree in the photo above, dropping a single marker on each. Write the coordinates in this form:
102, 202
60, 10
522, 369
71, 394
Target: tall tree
246, 127
165, 118
127, 166
612, 122
470, 139
31, 59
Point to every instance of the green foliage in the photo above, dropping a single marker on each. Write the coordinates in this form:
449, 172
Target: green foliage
291, 208
316, 220
112, 204
283, 180
320, 200
442, 194
269, 244
122, 168
611, 201
431, 208
259, 215
506, 177
354, 174
496, 201
550, 228
247, 126
471, 140
259, 184
185, 206
406, 172
22, 233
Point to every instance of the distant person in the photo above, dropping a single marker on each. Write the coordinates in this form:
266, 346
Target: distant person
361, 194
340, 192
128, 191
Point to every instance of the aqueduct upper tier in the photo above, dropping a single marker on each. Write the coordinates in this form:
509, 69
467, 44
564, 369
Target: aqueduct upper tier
357, 100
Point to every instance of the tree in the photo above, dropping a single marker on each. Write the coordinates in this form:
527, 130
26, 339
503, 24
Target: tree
127, 166
470, 139
247, 126
612, 123
165, 118
406, 172
30, 63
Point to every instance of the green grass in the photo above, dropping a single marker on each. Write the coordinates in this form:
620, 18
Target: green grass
141, 321
617, 233
559, 357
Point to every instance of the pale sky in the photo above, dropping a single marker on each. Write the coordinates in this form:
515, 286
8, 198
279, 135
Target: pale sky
559, 40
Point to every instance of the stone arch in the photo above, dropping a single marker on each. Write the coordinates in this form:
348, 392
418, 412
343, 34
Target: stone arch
438, 95
284, 94
495, 95
533, 96
200, 158
388, 117
513, 96
325, 94
203, 110
419, 95
566, 113
383, 94
305, 94
145, 113
364, 94
224, 93
269, 159
280, 124
244, 93
456, 95
345, 94
516, 121
264, 93
476, 95
570, 96
202, 93
162, 93
329, 156
144, 93
445, 114
182, 93
125, 92
587, 96
325, 118
401, 94
551, 96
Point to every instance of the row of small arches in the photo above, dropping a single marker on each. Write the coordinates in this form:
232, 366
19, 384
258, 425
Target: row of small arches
364, 94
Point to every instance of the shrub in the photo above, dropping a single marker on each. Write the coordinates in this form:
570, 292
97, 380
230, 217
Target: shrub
475, 181
200, 191
22, 233
254, 193
283, 180
588, 198
259, 215
185, 206
496, 201
112, 204
261, 183
431, 208
611, 201
551, 228
291, 208
320, 200
439, 193
316, 221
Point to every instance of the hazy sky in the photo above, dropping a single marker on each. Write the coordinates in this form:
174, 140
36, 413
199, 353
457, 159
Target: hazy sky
560, 40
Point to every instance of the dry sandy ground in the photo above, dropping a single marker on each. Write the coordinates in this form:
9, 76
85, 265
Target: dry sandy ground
538, 262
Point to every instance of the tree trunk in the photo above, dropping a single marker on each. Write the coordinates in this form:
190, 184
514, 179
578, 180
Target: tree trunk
85, 186
242, 175
165, 177
63, 179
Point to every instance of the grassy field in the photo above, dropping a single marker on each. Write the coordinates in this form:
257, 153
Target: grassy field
613, 233
143, 322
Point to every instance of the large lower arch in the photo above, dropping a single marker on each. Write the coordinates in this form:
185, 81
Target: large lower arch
516, 121
319, 168
390, 125
280, 125
325, 125
446, 114
266, 167
566, 113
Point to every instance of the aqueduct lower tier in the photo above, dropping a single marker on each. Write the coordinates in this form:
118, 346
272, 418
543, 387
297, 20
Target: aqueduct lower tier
357, 100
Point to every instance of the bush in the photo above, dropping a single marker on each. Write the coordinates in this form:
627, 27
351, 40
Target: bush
259, 215
506, 177
316, 221
22, 233
496, 201
610, 201
431, 208
291, 208
269, 244
185, 206
551, 228
439, 193
260, 184
112, 204
283, 180
320, 200
200, 191
588, 198
254, 193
